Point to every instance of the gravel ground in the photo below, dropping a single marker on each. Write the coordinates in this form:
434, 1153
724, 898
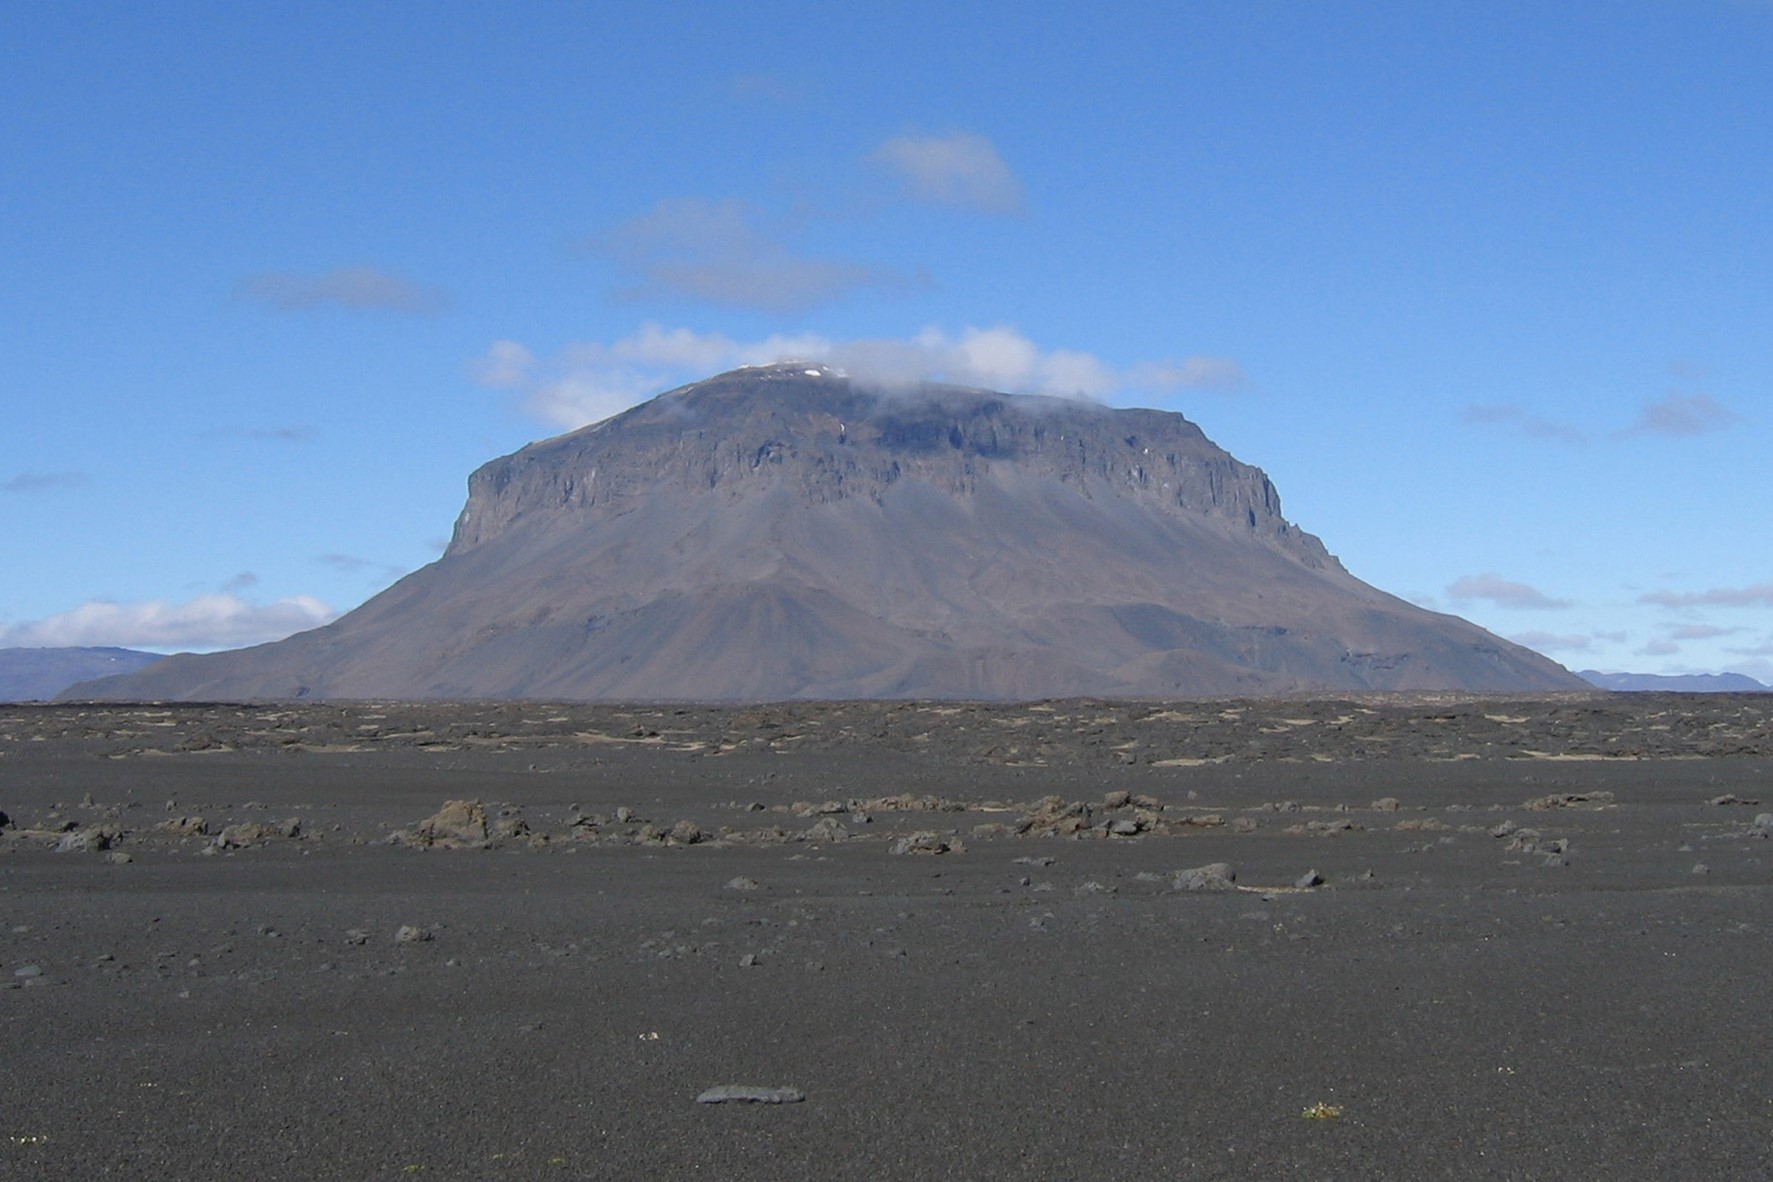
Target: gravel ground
1422, 937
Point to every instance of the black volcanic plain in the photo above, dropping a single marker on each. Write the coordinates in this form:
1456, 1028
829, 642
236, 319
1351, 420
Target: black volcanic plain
1386, 936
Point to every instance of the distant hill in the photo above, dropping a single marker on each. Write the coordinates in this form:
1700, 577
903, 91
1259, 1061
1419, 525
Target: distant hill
1683, 683
782, 532
38, 674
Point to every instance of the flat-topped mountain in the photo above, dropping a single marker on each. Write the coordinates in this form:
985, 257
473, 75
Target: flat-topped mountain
784, 532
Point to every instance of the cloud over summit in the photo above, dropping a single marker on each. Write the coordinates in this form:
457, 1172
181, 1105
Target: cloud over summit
586, 382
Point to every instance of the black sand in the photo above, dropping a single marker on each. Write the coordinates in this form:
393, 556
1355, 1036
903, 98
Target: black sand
1540, 948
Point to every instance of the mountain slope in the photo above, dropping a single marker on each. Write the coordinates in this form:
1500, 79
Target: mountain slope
782, 532
38, 674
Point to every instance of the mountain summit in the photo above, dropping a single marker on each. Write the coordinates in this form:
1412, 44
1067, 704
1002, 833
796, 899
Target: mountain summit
784, 532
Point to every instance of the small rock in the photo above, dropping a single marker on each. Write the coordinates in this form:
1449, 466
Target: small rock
925, 842
1701, 868
118, 857
1388, 804
458, 823
624, 814
28, 972
408, 934
748, 961
750, 1094
1118, 799
1123, 827
742, 883
1215, 876
1310, 878
234, 837
357, 936
84, 841
685, 833
826, 829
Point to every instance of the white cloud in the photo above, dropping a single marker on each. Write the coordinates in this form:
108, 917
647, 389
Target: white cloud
1682, 414
1192, 373
31, 482
356, 288
1758, 595
1501, 592
715, 252
207, 622
1517, 420
961, 168
1548, 642
588, 382
505, 366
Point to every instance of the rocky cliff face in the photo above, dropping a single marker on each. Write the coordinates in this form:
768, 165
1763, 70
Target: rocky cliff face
782, 532
825, 439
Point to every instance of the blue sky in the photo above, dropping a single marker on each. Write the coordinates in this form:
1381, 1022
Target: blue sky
1486, 288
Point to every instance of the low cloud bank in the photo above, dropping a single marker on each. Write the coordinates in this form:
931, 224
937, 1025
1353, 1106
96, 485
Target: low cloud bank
587, 382
215, 621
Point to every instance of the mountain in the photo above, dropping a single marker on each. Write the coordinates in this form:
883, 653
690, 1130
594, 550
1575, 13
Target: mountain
1686, 683
783, 532
38, 674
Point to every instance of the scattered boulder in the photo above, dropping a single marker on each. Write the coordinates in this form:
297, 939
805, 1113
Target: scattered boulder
458, 824
826, 829
247, 833
926, 842
685, 833
750, 1094
185, 827
1214, 876
411, 934
1564, 800
86, 841
1387, 804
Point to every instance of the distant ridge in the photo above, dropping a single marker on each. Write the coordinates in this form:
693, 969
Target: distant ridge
782, 532
1685, 683
38, 674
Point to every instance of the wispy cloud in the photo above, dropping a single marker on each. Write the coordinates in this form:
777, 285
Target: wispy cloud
1757, 595
717, 252
351, 564
287, 433
35, 482
1682, 414
1676, 416
356, 288
1517, 420
960, 168
1700, 632
1502, 592
1549, 642
587, 382
222, 620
